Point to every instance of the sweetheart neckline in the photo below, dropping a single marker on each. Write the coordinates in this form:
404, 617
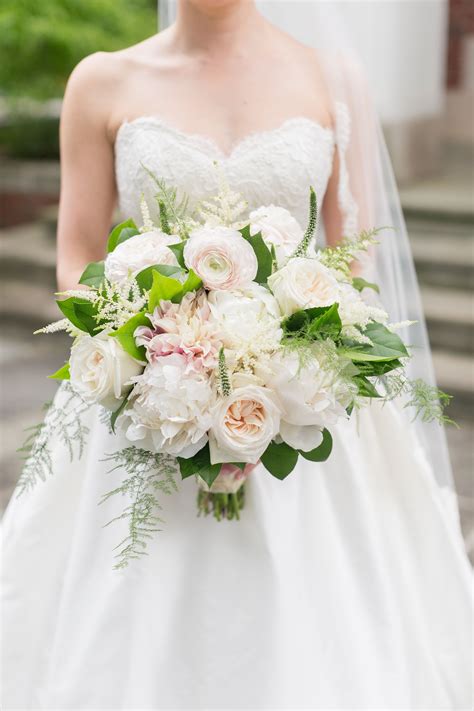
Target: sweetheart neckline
202, 141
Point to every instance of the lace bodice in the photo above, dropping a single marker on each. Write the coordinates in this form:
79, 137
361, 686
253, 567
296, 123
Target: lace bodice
275, 166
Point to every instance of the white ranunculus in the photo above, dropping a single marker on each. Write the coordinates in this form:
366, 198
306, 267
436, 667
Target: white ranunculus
279, 228
243, 425
221, 257
303, 283
312, 397
139, 252
169, 410
101, 370
248, 319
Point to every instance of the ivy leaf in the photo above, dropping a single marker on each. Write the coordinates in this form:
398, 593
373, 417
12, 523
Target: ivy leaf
263, 254
118, 411
192, 283
178, 251
163, 288
93, 274
80, 313
144, 278
121, 233
359, 284
200, 464
321, 453
61, 374
279, 459
125, 336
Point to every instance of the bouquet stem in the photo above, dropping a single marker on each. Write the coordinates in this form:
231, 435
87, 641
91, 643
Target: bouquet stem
220, 505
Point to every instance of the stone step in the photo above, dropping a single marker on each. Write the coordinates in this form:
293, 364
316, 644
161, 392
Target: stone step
27, 305
455, 376
27, 252
450, 318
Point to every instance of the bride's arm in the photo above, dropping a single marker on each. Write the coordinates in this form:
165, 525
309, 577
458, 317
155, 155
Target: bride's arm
87, 170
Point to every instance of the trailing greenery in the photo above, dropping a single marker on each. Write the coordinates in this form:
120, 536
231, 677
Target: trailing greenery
145, 475
62, 421
176, 208
428, 401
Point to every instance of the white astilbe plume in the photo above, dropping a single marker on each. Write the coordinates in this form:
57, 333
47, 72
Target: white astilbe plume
225, 207
62, 325
146, 217
400, 325
117, 303
86, 294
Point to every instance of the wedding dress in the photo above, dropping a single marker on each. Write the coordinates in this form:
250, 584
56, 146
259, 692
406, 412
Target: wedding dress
343, 587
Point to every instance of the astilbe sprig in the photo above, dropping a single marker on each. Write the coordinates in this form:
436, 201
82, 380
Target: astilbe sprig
224, 208
341, 256
116, 303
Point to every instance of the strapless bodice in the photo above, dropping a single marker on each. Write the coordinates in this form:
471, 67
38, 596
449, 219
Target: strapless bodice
274, 166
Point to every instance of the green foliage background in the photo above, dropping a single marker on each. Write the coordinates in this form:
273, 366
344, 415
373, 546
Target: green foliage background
42, 40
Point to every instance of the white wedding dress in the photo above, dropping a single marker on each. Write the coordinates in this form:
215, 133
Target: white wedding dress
343, 587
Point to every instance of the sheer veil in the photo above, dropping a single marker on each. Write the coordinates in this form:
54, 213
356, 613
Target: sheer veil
368, 195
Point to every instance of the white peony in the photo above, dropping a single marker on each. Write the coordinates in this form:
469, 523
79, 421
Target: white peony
101, 370
303, 283
279, 228
312, 397
139, 252
243, 425
248, 320
170, 408
221, 257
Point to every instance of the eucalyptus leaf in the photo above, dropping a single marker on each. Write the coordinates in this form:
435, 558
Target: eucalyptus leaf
279, 459
321, 453
93, 274
121, 233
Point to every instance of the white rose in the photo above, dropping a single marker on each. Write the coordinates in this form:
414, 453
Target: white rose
170, 408
303, 283
279, 228
243, 425
312, 397
247, 317
101, 370
139, 252
221, 257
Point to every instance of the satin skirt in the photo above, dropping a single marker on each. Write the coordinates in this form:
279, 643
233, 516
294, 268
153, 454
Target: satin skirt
345, 586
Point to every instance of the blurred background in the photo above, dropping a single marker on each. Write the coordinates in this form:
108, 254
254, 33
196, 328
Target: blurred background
419, 56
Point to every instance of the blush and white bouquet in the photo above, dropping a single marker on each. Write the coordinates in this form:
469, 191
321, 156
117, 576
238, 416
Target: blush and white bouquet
225, 338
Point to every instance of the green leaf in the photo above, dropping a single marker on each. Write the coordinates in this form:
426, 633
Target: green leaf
121, 233
178, 251
359, 284
62, 373
365, 387
200, 464
321, 453
386, 345
378, 368
192, 283
301, 318
328, 324
163, 288
279, 459
93, 274
125, 336
80, 313
119, 411
144, 278
263, 254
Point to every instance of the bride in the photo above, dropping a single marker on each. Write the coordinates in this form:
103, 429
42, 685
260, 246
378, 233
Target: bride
344, 586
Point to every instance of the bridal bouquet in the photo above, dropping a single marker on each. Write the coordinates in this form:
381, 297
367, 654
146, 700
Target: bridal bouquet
225, 339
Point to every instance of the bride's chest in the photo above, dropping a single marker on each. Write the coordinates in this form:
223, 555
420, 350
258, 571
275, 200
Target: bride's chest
274, 166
